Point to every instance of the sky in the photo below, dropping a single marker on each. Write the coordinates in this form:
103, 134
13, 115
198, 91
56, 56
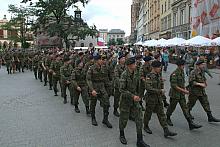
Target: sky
105, 14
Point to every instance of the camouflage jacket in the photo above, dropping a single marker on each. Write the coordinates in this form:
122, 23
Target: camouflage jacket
154, 85
177, 78
144, 70
55, 67
197, 76
78, 77
65, 72
119, 69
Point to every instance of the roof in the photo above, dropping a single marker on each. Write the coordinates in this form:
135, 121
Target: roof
116, 31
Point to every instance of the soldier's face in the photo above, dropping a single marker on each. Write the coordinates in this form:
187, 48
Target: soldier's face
202, 66
158, 69
122, 60
132, 66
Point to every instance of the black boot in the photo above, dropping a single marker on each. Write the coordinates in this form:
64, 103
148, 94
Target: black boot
71, 101
192, 125
105, 119
94, 122
77, 109
50, 87
140, 141
64, 100
87, 110
168, 133
165, 103
45, 83
212, 118
55, 93
122, 137
116, 113
169, 122
147, 130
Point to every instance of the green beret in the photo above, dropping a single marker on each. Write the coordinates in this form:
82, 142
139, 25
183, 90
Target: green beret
180, 62
199, 62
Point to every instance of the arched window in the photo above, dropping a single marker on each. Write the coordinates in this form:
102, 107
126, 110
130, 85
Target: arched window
91, 45
82, 45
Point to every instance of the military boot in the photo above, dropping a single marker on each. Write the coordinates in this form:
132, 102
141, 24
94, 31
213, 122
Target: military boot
169, 122
192, 125
71, 101
65, 100
116, 113
105, 119
140, 141
94, 122
87, 110
122, 137
77, 109
55, 93
165, 103
212, 118
168, 133
147, 130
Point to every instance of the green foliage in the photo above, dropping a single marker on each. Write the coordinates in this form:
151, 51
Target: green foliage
112, 42
120, 41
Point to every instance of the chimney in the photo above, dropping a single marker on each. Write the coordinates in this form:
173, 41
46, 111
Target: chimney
4, 17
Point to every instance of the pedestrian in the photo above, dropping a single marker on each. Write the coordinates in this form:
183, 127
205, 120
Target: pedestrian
197, 85
165, 60
65, 74
129, 102
177, 95
96, 82
154, 100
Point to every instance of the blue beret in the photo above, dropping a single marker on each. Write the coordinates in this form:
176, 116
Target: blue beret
147, 58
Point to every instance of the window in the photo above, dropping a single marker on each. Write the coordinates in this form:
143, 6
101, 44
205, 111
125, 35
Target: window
169, 21
165, 7
181, 17
190, 10
168, 4
174, 19
162, 9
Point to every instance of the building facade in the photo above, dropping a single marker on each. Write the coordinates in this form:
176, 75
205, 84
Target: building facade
135, 7
140, 22
181, 12
116, 34
165, 19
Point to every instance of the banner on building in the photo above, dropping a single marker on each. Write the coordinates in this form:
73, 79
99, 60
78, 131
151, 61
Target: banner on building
205, 18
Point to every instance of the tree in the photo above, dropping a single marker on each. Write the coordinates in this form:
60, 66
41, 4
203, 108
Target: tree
52, 16
18, 26
120, 41
112, 42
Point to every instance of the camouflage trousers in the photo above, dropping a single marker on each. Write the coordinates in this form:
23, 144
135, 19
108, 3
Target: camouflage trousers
64, 87
202, 99
159, 110
126, 110
56, 80
35, 71
50, 79
84, 94
102, 96
40, 74
117, 95
173, 104
45, 73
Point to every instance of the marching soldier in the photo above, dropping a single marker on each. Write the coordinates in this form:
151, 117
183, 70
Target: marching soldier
197, 85
65, 73
177, 95
8, 62
35, 65
120, 67
129, 102
96, 82
154, 100
40, 68
55, 70
79, 85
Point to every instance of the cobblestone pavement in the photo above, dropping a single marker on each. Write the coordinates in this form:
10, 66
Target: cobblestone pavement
32, 117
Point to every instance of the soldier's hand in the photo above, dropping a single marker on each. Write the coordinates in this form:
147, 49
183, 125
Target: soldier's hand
162, 91
54, 73
186, 91
202, 85
94, 93
136, 98
78, 88
67, 82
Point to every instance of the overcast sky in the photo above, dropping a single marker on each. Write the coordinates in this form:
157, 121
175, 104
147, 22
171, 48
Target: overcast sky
105, 14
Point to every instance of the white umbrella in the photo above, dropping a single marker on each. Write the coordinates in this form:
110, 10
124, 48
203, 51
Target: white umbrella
198, 41
175, 42
138, 43
151, 43
161, 42
216, 41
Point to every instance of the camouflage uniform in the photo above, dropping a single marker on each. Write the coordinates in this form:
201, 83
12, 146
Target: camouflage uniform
78, 79
198, 92
129, 83
154, 85
96, 81
8, 62
65, 73
40, 68
35, 65
55, 70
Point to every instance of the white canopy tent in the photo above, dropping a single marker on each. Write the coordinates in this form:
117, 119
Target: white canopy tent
150, 43
175, 42
138, 43
198, 41
216, 41
161, 43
